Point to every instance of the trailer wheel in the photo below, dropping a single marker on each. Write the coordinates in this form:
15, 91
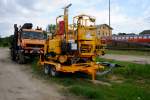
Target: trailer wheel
53, 72
46, 69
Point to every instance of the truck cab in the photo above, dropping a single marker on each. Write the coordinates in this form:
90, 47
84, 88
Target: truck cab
27, 42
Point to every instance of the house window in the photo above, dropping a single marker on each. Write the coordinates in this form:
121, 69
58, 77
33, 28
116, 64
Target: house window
131, 37
145, 37
103, 27
135, 37
140, 37
125, 38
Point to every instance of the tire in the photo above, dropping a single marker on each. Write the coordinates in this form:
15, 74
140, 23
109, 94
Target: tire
46, 69
21, 58
53, 72
13, 56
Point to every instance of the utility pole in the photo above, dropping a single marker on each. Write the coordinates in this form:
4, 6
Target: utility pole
109, 17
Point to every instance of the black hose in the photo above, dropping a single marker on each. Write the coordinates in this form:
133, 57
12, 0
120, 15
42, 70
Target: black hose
108, 64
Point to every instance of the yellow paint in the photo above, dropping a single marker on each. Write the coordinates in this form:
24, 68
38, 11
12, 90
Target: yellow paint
53, 45
85, 37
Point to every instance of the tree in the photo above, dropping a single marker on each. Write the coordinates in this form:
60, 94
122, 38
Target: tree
0, 39
5, 41
121, 33
51, 28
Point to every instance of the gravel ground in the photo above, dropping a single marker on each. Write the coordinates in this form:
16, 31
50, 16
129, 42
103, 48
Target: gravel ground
18, 84
130, 58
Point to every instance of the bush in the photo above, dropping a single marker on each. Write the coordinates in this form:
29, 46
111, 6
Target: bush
5, 42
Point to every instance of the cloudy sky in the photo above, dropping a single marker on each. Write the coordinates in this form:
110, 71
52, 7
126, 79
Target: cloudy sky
126, 15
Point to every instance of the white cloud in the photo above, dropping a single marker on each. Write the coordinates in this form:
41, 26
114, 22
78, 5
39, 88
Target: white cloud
43, 12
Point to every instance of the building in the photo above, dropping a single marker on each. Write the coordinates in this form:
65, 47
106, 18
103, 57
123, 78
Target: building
142, 38
104, 30
145, 32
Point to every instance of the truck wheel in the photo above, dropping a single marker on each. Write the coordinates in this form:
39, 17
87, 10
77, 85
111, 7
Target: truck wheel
46, 69
53, 72
13, 57
21, 58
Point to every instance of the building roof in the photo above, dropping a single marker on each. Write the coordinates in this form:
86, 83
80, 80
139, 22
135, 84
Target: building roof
145, 32
98, 26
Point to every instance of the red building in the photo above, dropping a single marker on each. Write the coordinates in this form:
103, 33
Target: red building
132, 38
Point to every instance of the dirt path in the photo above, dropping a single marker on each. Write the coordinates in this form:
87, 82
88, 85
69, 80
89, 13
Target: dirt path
16, 84
130, 58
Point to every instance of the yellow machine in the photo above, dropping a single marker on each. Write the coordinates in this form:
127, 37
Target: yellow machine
72, 50
100, 47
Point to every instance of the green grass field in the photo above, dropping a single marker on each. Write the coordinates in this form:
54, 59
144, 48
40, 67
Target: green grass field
128, 52
132, 82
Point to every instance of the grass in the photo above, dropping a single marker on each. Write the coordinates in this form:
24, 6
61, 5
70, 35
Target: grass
89, 92
130, 70
135, 85
128, 52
